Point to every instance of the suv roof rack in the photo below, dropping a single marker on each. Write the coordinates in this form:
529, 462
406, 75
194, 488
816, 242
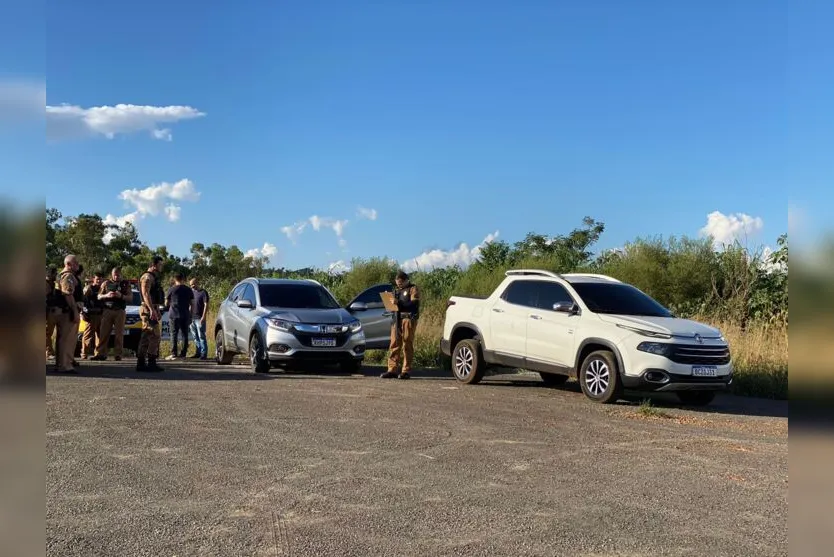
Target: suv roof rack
589, 275
539, 272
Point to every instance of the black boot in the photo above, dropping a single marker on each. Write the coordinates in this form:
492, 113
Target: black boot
140, 364
152, 366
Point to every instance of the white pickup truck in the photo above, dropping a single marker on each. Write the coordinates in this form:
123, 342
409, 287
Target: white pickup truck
608, 335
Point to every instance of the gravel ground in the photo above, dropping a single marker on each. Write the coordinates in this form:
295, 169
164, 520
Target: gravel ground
208, 460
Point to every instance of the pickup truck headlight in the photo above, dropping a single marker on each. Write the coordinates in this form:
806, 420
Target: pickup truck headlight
659, 348
355, 326
280, 324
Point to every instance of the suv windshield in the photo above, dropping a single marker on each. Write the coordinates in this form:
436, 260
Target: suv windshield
296, 296
621, 299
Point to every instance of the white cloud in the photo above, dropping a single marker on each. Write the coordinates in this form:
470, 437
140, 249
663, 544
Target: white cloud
462, 256
293, 231
267, 250
158, 198
112, 220
338, 267
21, 101
726, 229
364, 213
68, 121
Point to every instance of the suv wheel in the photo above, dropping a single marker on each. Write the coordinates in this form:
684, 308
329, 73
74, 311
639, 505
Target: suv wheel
257, 357
222, 357
466, 362
600, 378
696, 398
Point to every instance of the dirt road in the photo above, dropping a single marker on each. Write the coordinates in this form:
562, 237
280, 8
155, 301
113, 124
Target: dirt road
204, 460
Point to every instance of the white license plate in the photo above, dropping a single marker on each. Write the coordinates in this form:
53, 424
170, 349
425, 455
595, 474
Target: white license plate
324, 342
704, 371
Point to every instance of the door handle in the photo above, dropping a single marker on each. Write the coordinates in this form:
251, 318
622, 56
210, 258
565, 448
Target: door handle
496, 310
535, 317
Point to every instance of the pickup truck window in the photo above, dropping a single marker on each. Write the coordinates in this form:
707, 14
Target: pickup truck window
521, 293
619, 299
549, 293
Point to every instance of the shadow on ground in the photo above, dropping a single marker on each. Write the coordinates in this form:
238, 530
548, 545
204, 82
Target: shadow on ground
208, 371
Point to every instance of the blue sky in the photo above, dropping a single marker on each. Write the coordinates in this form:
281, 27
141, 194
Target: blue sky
451, 120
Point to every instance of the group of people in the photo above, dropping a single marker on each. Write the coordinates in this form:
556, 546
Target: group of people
102, 305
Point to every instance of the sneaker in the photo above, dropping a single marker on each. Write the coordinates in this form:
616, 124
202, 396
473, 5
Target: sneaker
171, 357
404, 375
388, 375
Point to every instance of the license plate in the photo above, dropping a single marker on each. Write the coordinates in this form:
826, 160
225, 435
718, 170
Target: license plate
324, 342
704, 371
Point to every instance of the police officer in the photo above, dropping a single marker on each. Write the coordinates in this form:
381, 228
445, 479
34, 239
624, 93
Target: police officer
70, 316
113, 295
407, 297
153, 297
91, 314
54, 304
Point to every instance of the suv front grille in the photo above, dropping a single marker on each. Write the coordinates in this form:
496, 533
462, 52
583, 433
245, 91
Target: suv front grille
699, 354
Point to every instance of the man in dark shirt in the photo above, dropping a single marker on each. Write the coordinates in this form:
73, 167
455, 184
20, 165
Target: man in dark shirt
180, 301
198, 318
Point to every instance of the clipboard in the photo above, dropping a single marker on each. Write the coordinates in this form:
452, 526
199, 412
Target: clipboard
388, 301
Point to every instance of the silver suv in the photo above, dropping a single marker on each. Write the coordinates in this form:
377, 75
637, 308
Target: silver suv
279, 322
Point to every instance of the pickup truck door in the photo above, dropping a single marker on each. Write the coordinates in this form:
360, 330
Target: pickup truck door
509, 318
550, 333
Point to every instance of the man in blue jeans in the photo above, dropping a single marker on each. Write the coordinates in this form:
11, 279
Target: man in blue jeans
198, 319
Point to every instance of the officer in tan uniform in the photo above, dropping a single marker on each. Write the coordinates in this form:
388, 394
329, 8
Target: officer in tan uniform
407, 297
70, 317
113, 295
92, 314
153, 297
53, 309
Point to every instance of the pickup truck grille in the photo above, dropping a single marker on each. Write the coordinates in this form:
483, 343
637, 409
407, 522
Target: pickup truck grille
698, 354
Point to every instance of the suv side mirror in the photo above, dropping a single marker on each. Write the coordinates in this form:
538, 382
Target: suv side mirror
245, 304
358, 306
566, 307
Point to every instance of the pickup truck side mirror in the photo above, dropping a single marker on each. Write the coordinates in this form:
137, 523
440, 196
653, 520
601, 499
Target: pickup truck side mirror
566, 307
245, 304
358, 306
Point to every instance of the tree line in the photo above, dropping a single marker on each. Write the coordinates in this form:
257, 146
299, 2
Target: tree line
687, 275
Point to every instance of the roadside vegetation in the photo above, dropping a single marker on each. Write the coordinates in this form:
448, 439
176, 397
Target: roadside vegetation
744, 293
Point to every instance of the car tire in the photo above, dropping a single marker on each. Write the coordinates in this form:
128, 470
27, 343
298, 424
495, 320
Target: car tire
696, 398
221, 356
553, 379
599, 377
257, 357
351, 366
467, 364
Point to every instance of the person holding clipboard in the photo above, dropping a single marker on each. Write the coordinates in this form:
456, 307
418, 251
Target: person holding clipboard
404, 303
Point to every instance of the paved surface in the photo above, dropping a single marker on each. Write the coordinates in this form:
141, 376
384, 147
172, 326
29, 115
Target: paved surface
208, 460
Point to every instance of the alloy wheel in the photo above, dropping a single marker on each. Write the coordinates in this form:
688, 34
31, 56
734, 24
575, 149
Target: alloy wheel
464, 361
597, 377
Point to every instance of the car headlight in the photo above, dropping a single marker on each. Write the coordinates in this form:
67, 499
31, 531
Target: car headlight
280, 324
659, 348
355, 326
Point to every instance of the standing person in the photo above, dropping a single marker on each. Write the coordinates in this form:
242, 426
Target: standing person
180, 301
54, 304
407, 297
113, 294
70, 317
92, 314
198, 319
150, 287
